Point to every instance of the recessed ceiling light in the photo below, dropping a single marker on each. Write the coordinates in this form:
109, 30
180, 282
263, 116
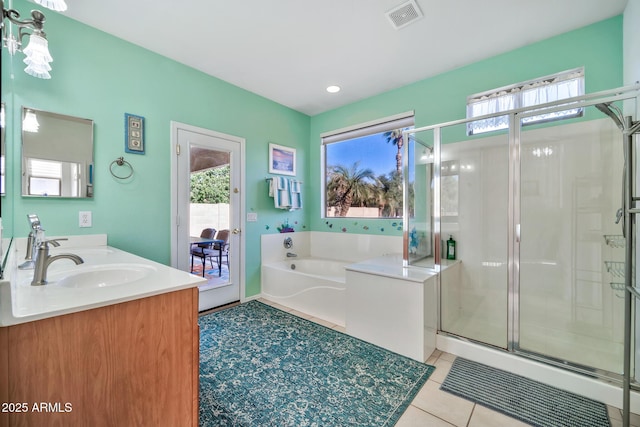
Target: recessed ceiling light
333, 89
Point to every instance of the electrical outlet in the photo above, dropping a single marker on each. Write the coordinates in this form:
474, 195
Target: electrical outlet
85, 219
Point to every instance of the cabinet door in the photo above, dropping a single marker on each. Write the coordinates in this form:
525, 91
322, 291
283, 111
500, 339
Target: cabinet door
134, 363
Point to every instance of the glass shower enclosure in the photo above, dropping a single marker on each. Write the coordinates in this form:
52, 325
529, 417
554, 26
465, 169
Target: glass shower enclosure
534, 211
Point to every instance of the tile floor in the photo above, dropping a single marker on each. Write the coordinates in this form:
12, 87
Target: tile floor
435, 408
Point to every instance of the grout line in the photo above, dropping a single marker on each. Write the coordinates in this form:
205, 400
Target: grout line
433, 415
473, 409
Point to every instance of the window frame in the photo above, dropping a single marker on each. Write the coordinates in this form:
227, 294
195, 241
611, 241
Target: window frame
517, 91
398, 121
45, 181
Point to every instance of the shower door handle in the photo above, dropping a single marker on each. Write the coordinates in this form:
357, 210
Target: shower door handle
518, 233
619, 214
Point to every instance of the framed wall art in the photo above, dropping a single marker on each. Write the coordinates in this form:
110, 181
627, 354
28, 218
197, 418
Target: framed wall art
282, 160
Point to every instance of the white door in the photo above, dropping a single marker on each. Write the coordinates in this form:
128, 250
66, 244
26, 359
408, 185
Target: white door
191, 144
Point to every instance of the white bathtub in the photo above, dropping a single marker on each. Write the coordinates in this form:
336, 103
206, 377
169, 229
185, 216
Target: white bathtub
315, 286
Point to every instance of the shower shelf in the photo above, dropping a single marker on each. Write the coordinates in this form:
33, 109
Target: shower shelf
618, 288
614, 241
616, 268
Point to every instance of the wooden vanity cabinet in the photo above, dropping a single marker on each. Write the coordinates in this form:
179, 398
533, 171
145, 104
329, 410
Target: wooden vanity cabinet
129, 364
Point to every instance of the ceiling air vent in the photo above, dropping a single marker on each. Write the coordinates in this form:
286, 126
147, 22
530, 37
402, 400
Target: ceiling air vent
404, 14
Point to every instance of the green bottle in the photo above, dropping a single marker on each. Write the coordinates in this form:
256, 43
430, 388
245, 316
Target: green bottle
451, 248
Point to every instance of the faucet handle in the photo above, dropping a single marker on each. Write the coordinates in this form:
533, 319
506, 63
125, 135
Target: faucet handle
34, 221
54, 242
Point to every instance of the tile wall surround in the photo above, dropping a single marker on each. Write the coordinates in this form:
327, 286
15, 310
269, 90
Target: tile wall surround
339, 246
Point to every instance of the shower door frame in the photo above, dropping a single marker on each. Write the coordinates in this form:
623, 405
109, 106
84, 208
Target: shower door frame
515, 120
513, 245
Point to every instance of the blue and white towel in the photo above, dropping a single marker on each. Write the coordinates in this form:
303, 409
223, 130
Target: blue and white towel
296, 196
286, 193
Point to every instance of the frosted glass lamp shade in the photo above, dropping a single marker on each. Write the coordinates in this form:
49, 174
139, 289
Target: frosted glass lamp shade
38, 57
40, 71
57, 5
30, 122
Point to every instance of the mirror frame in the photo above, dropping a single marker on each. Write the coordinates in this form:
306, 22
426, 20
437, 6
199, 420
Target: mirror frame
77, 130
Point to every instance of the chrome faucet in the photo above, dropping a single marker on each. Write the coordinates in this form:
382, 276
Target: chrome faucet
29, 263
291, 255
36, 235
44, 260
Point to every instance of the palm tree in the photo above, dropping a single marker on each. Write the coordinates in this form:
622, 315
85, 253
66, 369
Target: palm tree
346, 185
390, 195
395, 137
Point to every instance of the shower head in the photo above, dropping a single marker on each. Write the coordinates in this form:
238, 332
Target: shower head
608, 109
427, 151
422, 142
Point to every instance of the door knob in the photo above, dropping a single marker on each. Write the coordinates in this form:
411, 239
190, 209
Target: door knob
236, 231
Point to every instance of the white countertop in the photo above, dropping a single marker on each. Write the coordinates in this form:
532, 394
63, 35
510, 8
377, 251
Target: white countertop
391, 266
20, 302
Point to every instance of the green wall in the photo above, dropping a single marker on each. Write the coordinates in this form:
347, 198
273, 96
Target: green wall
100, 77
597, 47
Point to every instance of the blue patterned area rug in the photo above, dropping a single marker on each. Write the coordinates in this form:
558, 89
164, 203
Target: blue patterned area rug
260, 366
530, 401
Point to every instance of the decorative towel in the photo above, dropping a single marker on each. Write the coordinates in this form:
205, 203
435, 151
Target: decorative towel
285, 193
275, 192
296, 197
283, 183
271, 185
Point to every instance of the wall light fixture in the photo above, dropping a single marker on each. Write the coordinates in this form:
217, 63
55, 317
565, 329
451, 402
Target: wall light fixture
30, 121
37, 56
57, 5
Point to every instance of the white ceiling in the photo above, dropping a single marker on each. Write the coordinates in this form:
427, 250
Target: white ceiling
290, 50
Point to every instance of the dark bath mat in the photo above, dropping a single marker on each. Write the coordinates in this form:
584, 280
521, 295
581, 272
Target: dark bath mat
527, 400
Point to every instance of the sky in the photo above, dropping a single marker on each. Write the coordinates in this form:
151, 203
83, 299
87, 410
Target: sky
371, 151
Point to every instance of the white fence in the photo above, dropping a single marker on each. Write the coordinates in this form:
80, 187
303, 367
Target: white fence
356, 212
208, 216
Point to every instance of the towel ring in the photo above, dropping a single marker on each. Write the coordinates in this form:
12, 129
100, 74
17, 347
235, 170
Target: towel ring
120, 161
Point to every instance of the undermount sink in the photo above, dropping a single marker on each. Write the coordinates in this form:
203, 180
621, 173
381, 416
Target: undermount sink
104, 276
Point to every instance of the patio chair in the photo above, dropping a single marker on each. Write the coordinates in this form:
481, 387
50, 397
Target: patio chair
204, 250
222, 235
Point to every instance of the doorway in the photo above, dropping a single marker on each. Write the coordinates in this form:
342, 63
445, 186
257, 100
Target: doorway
207, 167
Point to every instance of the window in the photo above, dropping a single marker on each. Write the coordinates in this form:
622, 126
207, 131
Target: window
363, 169
535, 92
45, 177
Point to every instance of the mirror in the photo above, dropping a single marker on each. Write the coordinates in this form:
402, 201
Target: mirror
2, 148
57, 155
